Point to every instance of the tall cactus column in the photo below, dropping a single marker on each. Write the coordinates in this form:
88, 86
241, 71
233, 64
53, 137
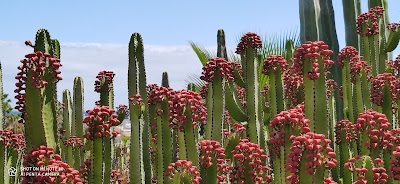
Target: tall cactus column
38, 77
247, 48
312, 61
77, 122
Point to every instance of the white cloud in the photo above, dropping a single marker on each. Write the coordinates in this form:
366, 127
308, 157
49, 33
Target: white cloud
87, 59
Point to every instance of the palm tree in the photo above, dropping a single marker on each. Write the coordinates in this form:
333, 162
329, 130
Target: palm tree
11, 119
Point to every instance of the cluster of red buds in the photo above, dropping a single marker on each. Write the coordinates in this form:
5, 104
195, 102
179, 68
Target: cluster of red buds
312, 52
116, 177
157, 94
356, 66
377, 85
292, 83
368, 23
84, 172
204, 91
273, 62
395, 164
318, 153
347, 128
11, 140
378, 172
182, 100
249, 155
393, 26
211, 150
294, 119
184, 166
237, 130
394, 65
45, 158
73, 141
237, 67
99, 121
35, 66
217, 66
249, 38
228, 118
123, 109
375, 125
104, 78
240, 94
330, 85
346, 54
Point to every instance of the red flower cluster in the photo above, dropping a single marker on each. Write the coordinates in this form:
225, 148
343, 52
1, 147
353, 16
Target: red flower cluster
356, 66
368, 23
292, 83
85, 170
204, 90
331, 85
349, 130
104, 78
99, 121
237, 67
375, 125
116, 177
240, 94
293, 119
273, 62
211, 150
376, 94
379, 173
312, 52
393, 26
249, 38
346, 54
317, 150
219, 66
73, 141
11, 140
158, 93
123, 109
249, 155
395, 164
34, 67
182, 100
184, 166
237, 129
44, 157
394, 65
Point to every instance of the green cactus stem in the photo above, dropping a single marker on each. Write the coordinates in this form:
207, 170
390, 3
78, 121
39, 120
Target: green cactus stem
67, 119
351, 9
247, 48
77, 120
165, 81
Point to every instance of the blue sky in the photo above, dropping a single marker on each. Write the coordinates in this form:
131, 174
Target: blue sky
94, 34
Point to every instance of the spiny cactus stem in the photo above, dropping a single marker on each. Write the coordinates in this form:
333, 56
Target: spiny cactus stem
107, 159
309, 94
2, 164
215, 108
135, 157
273, 94
387, 157
77, 157
364, 150
358, 95
344, 152
98, 159
303, 176
347, 91
366, 50
321, 111
160, 137
252, 95
182, 145
365, 90
373, 46
191, 146
166, 140
70, 159
387, 104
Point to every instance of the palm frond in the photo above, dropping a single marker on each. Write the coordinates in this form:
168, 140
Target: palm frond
195, 79
202, 53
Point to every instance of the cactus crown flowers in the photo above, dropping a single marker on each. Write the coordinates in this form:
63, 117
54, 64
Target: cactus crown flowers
104, 78
272, 62
217, 66
347, 53
249, 38
368, 23
99, 121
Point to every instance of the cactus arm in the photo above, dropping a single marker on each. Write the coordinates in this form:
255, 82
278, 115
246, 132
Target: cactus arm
78, 118
70, 158
230, 146
351, 10
177, 178
135, 160
107, 159
367, 163
358, 95
233, 105
345, 81
191, 146
166, 140
321, 118
303, 176
373, 46
182, 145
98, 159
272, 92
289, 47
365, 90
349, 90
366, 49
309, 26
252, 94
211, 175
221, 48
2, 117
344, 153
215, 108
165, 82
145, 116
43, 43
387, 104
67, 116
393, 40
